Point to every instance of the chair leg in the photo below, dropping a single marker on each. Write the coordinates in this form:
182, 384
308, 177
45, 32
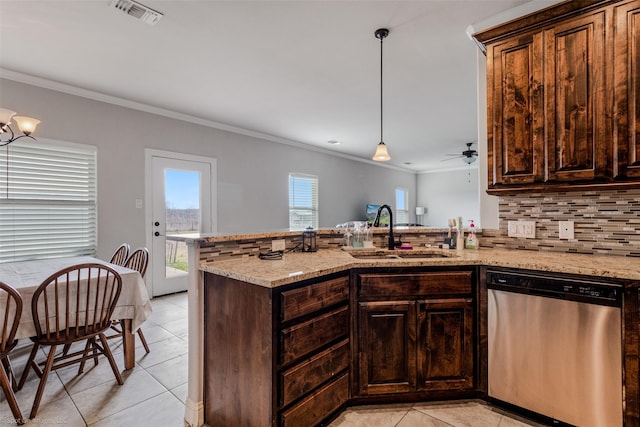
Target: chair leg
11, 398
112, 362
87, 347
143, 340
43, 381
6, 362
25, 373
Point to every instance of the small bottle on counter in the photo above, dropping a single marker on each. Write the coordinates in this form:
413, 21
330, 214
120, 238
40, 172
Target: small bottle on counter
471, 242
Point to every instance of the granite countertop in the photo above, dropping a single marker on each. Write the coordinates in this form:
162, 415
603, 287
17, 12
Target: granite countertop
297, 266
227, 237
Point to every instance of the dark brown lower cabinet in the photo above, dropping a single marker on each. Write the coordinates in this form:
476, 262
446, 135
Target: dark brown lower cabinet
275, 356
387, 347
445, 336
420, 338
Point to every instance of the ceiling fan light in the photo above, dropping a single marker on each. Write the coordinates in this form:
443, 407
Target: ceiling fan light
381, 155
469, 159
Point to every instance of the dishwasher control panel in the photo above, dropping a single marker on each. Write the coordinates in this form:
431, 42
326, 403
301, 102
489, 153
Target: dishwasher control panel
589, 291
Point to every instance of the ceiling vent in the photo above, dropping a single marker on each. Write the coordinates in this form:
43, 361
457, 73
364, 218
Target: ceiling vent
137, 10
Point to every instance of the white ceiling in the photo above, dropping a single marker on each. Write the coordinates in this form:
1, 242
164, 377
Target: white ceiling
303, 71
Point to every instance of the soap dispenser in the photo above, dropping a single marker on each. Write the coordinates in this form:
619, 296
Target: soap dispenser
471, 242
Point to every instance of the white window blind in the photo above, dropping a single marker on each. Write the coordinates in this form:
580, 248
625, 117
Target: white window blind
402, 206
48, 202
303, 201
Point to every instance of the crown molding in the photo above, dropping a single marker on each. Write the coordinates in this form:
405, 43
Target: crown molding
122, 102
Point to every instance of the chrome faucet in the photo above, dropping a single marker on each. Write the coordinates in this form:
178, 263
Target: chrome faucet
376, 223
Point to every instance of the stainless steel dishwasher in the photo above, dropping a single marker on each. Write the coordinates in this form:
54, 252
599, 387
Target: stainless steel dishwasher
555, 346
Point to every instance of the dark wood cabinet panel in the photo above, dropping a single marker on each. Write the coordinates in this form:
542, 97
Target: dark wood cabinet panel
307, 299
403, 285
627, 90
304, 377
313, 409
301, 339
387, 352
516, 125
575, 104
446, 344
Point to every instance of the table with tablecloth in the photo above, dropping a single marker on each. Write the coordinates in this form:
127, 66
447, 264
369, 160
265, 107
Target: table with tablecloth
133, 306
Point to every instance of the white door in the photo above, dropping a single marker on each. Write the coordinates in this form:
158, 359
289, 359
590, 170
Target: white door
181, 203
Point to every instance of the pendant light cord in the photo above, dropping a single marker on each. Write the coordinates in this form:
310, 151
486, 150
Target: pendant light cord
381, 39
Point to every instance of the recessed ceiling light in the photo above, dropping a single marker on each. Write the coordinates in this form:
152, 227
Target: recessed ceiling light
334, 142
407, 163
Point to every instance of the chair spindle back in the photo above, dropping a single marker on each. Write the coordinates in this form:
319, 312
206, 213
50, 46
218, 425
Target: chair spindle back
76, 301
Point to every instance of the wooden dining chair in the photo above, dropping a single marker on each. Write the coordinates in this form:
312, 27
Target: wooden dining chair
11, 307
120, 255
72, 305
138, 260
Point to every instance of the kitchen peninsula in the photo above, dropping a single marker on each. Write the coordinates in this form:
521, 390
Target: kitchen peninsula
284, 342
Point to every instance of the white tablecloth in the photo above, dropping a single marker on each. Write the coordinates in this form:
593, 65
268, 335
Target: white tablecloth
26, 276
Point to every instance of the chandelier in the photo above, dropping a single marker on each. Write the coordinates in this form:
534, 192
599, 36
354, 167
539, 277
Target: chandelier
26, 125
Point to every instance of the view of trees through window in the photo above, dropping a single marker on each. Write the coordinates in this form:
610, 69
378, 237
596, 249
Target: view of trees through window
182, 215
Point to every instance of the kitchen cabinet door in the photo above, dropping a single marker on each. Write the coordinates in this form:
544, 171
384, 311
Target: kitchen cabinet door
445, 344
626, 123
575, 76
387, 347
515, 110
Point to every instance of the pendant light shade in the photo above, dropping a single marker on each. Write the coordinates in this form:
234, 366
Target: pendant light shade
381, 155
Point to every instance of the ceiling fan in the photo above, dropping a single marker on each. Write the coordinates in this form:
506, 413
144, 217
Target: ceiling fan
468, 155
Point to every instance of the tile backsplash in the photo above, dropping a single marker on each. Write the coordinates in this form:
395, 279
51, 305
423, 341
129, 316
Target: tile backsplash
605, 222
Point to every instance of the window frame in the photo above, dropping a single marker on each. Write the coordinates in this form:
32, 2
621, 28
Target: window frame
314, 209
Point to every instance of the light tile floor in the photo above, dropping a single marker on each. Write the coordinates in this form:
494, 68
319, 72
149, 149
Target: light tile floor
154, 392
469, 413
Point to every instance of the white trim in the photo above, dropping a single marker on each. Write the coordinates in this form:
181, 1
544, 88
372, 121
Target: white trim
109, 99
465, 167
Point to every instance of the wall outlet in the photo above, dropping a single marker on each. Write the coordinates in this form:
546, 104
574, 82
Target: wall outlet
565, 230
278, 245
525, 229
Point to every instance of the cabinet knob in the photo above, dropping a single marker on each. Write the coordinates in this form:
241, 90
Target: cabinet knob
156, 223
157, 233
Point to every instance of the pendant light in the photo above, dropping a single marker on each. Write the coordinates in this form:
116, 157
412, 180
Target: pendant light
381, 155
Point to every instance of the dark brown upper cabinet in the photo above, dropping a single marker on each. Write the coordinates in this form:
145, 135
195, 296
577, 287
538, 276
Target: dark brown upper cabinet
562, 98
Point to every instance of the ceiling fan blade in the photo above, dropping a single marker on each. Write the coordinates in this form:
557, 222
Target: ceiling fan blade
452, 158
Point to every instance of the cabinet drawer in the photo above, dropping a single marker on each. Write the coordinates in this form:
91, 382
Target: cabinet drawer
305, 337
307, 299
319, 405
415, 284
306, 376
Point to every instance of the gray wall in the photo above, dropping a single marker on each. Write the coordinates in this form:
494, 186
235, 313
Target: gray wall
252, 172
449, 194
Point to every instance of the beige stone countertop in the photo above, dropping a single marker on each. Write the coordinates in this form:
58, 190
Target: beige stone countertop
297, 266
204, 238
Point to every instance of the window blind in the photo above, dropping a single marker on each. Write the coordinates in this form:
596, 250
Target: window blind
303, 201
48, 203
